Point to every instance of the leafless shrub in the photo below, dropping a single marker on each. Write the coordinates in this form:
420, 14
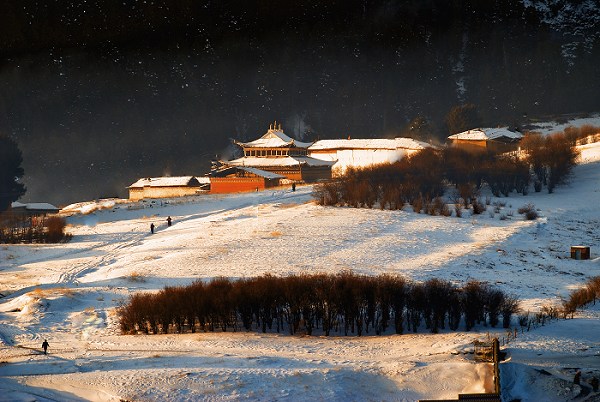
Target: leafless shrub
458, 207
417, 204
478, 207
508, 307
529, 211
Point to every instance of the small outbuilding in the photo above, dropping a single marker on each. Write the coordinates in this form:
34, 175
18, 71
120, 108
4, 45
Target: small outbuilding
580, 252
33, 209
164, 187
234, 179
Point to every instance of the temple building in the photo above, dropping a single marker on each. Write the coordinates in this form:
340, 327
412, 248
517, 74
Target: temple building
278, 153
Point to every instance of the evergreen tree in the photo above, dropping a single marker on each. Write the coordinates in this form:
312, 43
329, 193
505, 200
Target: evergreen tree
462, 118
10, 172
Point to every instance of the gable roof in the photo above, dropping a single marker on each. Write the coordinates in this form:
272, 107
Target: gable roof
485, 134
175, 181
274, 138
38, 206
372, 143
258, 172
279, 161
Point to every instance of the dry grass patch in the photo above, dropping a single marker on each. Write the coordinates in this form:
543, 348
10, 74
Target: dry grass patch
288, 205
136, 277
44, 293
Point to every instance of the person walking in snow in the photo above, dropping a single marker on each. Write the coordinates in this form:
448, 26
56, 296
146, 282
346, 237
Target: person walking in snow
577, 378
152, 228
45, 345
169, 221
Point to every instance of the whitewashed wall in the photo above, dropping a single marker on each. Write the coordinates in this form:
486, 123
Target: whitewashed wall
361, 157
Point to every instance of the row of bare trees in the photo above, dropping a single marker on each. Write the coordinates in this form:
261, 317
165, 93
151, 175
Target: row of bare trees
345, 303
422, 178
582, 297
32, 229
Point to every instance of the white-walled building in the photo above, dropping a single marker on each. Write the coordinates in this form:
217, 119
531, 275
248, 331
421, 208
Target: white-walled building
164, 187
499, 139
364, 152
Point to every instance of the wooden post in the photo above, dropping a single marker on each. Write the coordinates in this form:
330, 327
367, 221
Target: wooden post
496, 354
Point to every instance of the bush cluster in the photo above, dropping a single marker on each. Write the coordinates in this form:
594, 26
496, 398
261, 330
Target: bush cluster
529, 211
551, 158
582, 135
422, 178
345, 303
33, 229
582, 297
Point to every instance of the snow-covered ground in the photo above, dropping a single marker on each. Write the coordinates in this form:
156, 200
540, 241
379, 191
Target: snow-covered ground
553, 126
68, 293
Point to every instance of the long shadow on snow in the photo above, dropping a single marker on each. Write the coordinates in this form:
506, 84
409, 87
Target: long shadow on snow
266, 370
13, 390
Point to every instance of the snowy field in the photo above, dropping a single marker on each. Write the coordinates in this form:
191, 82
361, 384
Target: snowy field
67, 294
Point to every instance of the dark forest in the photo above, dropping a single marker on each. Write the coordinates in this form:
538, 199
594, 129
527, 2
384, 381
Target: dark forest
100, 93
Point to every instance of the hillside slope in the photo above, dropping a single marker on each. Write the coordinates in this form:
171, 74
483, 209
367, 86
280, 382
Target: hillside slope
67, 293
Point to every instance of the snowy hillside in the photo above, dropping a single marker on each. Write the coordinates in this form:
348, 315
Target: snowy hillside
68, 293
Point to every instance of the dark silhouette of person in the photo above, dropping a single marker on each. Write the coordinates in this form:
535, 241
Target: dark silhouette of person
293, 186
595, 383
169, 221
152, 228
45, 346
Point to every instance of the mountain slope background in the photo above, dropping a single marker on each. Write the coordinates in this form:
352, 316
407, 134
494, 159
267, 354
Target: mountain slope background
129, 89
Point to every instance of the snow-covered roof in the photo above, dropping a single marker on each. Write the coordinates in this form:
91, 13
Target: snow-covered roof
262, 173
39, 206
168, 181
372, 143
279, 161
484, 134
274, 138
